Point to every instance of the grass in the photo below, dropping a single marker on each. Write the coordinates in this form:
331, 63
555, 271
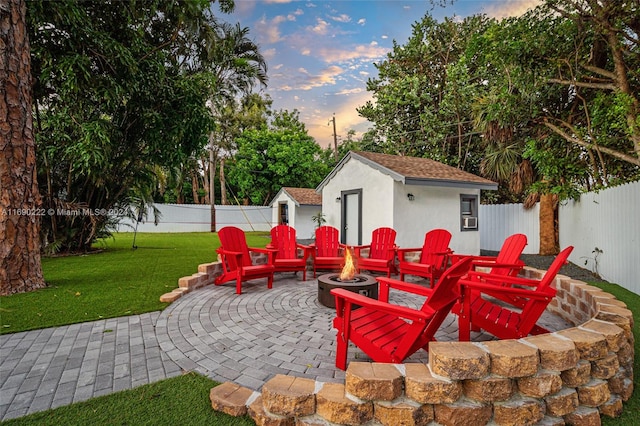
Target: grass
121, 281
182, 400
115, 282
631, 413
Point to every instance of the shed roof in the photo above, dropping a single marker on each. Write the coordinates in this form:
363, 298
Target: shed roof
301, 196
414, 171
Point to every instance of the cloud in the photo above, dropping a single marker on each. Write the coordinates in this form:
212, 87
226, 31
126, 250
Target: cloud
344, 18
341, 54
347, 118
268, 30
362, 21
321, 27
327, 76
269, 54
350, 91
510, 8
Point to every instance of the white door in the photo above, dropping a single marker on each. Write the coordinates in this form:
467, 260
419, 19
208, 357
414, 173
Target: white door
351, 217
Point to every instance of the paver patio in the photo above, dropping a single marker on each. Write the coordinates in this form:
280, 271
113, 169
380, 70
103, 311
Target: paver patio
245, 338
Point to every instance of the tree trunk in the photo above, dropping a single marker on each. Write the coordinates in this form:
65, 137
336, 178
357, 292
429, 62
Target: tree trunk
212, 187
223, 185
20, 266
195, 186
548, 234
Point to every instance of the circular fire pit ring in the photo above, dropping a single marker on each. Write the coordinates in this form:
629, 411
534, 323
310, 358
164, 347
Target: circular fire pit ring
365, 285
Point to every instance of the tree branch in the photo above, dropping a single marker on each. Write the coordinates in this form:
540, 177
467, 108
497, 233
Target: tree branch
600, 71
607, 86
617, 154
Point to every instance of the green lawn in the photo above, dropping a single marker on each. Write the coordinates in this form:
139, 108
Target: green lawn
121, 281
115, 282
182, 400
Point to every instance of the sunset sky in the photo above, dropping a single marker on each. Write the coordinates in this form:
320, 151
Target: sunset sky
321, 53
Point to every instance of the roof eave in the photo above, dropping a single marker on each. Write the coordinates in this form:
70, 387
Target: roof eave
451, 183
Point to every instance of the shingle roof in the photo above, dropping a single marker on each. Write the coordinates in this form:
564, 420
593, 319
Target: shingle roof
304, 196
414, 171
414, 168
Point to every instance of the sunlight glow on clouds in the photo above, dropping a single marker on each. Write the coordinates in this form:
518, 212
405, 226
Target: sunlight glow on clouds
337, 54
321, 27
327, 76
510, 8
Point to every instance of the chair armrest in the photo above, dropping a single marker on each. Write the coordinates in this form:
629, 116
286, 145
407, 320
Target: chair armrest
265, 250
228, 252
306, 250
490, 288
358, 249
271, 253
501, 279
403, 251
358, 299
405, 286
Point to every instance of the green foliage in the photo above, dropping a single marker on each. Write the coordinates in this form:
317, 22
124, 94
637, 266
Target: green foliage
122, 91
319, 219
529, 101
270, 158
422, 94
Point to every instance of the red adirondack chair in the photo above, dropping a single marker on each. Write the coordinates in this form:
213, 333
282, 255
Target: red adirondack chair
482, 309
291, 256
388, 332
506, 263
382, 252
433, 257
327, 250
236, 259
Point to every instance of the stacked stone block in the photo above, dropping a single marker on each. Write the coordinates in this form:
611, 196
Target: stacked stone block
573, 376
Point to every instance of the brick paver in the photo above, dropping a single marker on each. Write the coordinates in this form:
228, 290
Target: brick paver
247, 339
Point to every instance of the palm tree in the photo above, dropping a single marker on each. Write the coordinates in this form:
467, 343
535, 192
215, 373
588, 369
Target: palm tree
237, 65
503, 163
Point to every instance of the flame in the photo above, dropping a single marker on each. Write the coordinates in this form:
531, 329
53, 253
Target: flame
349, 269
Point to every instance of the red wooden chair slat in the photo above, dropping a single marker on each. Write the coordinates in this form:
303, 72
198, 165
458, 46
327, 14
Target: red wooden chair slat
382, 252
481, 309
236, 259
388, 332
433, 256
327, 251
291, 256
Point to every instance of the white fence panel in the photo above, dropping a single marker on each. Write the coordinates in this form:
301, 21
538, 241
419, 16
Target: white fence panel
498, 221
197, 218
610, 221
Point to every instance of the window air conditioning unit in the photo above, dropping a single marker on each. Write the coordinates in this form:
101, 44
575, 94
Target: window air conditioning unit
470, 222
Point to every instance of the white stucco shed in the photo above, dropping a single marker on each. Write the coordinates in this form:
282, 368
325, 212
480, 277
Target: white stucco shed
411, 195
296, 207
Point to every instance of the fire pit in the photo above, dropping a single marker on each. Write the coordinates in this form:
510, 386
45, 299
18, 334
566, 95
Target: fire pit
361, 284
347, 279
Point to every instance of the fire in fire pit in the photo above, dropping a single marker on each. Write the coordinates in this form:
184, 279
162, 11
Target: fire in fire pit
349, 268
347, 279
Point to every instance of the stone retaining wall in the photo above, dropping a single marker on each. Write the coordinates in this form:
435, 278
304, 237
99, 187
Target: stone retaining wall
571, 376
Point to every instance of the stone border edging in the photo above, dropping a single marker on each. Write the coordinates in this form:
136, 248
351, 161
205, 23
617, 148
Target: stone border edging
570, 376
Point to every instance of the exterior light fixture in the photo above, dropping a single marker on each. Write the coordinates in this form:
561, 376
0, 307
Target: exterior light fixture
338, 199
411, 197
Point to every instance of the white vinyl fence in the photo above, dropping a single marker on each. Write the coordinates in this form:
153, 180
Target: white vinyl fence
498, 221
197, 218
603, 227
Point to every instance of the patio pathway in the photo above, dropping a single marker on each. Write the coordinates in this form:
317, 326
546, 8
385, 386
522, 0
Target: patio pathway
245, 339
